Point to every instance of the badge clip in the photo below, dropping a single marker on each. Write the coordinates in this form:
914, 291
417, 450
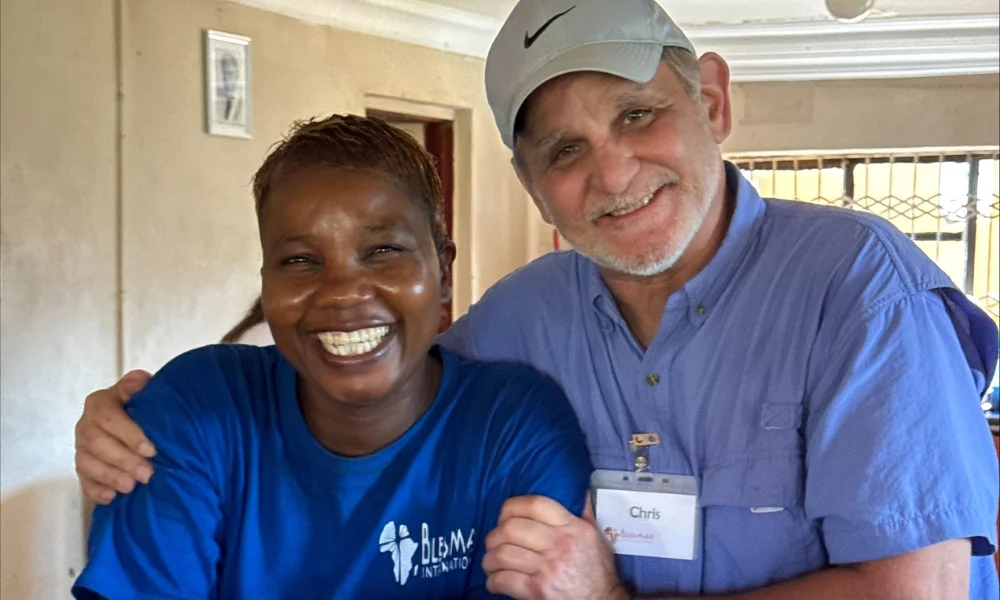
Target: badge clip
640, 444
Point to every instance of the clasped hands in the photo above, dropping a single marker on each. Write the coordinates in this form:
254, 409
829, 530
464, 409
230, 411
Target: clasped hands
541, 551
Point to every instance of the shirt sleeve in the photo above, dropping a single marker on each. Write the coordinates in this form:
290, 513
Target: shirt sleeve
460, 338
899, 455
551, 457
163, 539
544, 453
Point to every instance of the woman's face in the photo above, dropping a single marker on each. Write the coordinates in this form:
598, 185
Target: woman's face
352, 283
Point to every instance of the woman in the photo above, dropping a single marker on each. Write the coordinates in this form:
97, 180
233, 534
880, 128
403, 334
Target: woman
354, 459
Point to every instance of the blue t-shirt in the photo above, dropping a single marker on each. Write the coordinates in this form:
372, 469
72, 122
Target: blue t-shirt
820, 378
245, 503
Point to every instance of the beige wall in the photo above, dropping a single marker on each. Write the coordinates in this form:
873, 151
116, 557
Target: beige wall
849, 115
187, 236
58, 310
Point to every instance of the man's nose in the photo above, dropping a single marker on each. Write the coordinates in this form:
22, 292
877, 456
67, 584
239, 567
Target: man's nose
614, 167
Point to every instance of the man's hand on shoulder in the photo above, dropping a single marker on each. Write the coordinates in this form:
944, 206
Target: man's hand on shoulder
111, 450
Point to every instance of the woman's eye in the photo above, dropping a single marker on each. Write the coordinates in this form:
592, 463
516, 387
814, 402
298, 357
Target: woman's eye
297, 260
384, 250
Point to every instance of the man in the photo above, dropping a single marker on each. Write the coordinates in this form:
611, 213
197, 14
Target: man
228, 100
806, 375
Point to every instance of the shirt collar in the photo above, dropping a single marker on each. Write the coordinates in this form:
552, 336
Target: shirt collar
703, 291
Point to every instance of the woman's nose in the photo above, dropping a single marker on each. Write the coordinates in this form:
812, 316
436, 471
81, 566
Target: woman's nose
344, 287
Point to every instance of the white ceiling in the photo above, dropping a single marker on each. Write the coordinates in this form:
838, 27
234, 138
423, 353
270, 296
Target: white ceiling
703, 12
763, 40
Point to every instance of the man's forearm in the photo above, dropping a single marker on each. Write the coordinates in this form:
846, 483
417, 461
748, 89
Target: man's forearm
939, 572
839, 583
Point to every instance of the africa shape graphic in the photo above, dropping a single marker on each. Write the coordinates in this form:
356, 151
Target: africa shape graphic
400, 547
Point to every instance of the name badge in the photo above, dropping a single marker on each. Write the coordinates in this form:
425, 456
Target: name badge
648, 514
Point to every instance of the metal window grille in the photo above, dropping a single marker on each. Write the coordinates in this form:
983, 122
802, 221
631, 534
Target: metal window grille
948, 204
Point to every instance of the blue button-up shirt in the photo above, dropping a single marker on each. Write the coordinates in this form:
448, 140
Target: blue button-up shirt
820, 378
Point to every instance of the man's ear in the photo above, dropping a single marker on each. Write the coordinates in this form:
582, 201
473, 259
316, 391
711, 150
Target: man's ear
446, 258
715, 95
526, 184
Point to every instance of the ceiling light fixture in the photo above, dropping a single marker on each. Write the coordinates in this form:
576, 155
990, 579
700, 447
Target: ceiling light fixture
849, 11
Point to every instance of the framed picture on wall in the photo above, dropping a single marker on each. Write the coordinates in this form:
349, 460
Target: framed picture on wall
227, 84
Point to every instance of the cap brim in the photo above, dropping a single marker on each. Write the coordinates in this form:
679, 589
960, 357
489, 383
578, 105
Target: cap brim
635, 61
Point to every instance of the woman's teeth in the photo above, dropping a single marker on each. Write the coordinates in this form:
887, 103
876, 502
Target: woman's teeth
631, 209
352, 343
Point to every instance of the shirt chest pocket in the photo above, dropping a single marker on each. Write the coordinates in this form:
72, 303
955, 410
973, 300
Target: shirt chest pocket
754, 524
760, 484
762, 467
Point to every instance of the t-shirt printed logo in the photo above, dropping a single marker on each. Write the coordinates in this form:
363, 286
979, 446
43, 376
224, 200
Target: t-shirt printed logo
612, 534
400, 547
438, 554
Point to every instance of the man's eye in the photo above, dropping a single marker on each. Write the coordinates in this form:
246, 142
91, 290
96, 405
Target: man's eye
564, 153
635, 115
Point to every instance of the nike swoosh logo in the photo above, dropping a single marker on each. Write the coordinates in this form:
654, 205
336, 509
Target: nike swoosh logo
530, 39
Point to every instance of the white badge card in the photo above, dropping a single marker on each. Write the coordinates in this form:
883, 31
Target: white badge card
648, 514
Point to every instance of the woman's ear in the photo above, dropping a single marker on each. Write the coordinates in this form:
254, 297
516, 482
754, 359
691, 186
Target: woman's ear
446, 258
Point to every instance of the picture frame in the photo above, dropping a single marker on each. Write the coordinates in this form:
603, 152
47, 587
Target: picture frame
228, 106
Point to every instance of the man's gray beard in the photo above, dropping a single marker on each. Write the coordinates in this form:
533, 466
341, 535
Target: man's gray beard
656, 267
666, 262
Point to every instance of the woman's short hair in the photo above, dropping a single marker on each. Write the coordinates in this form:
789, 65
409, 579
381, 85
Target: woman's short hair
364, 143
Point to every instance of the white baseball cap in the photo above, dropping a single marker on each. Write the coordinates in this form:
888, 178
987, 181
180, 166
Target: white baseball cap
543, 39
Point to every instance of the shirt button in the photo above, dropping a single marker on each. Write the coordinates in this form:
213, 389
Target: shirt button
701, 309
653, 378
